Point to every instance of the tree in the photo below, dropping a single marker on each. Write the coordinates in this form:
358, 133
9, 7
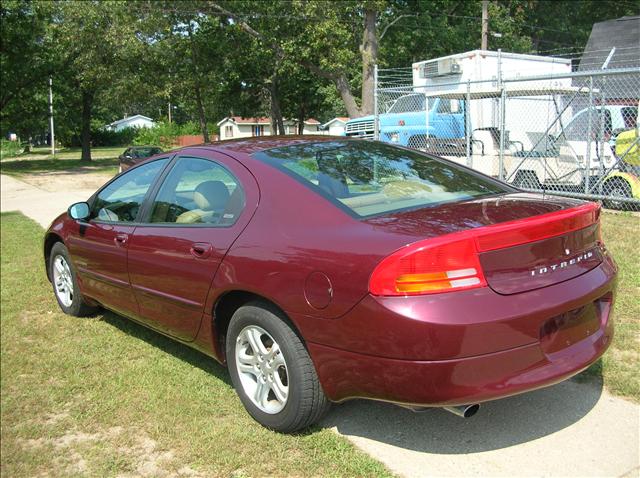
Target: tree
25, 64
92, 38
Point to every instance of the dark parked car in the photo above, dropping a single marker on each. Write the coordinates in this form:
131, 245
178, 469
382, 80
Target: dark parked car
135, 154
323, 269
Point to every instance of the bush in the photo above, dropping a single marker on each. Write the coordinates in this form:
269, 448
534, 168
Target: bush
103, 137
164, 134
10, 149
123, 137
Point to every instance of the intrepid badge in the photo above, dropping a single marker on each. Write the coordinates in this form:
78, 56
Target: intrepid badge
538, 271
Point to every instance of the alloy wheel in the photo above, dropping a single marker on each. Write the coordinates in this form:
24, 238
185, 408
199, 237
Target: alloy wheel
63, 281
262, 369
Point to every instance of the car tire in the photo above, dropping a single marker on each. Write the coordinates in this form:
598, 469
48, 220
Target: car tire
281, 364
65, 283
617, 187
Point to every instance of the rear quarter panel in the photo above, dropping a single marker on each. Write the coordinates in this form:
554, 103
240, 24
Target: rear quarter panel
294, 233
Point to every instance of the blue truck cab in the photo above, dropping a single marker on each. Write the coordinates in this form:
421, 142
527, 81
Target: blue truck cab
405, 121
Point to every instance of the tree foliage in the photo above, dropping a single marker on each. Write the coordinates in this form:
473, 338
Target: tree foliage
207, 59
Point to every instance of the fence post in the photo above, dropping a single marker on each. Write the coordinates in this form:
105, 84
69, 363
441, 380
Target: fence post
426, 120
467, 123
503, 98
601, 138
376, 120
587, 164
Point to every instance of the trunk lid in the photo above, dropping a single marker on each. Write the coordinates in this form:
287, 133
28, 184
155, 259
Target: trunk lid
542, 263
524, 241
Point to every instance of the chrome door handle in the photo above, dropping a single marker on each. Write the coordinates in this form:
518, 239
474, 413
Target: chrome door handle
201, 250
120, 239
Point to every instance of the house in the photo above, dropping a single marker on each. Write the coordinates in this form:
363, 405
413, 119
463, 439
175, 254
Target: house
335, 127
135, 121
623, 34
618, 41
239, 127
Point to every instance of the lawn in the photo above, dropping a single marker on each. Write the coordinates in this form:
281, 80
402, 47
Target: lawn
40, 160
619, 366
105, 397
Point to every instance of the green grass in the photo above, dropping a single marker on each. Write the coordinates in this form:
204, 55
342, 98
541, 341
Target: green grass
105, 397
40, 160
620, 365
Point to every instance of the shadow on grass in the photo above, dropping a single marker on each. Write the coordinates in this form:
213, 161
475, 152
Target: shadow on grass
168, 345
18, 166
498, 424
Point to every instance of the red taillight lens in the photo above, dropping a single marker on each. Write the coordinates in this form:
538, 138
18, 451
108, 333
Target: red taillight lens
451, 262
428, 267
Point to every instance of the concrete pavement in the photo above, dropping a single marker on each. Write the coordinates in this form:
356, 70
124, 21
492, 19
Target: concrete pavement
571, 429
40, 205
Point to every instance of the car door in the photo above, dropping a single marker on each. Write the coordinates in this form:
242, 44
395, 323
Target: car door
99, 250
193, 217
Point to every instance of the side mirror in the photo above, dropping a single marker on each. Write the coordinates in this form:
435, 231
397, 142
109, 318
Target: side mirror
79, 211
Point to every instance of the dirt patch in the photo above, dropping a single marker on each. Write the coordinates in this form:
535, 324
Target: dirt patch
58, 181
145, 457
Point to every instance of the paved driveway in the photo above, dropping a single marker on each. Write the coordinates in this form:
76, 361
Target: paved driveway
41, 205
570, 429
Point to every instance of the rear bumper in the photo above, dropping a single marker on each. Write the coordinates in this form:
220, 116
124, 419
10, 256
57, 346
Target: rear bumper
527, 354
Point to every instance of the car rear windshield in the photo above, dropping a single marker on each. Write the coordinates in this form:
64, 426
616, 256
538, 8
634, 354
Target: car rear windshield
368, 178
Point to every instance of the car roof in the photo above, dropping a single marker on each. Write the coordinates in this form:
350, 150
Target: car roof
262, 143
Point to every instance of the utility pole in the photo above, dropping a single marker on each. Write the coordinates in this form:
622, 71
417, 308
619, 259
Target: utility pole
169, 109
485, 25
51, 132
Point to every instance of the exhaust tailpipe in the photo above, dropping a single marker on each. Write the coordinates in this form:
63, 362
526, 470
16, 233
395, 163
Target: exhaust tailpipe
464, 411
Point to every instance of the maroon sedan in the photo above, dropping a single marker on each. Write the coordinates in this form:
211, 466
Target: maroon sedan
323, 269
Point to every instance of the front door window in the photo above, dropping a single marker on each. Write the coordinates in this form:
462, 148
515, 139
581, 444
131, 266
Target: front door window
120, 201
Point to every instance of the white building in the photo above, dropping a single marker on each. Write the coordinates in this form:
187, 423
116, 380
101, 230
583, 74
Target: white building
238, 127
135, 121
335, 127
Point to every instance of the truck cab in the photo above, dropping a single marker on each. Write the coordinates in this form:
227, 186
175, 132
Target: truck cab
407, 123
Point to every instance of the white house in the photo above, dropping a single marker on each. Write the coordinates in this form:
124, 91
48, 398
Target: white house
135, 121
239, 127
335, 127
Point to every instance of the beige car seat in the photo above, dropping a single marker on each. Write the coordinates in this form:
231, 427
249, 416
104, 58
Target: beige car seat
211, 197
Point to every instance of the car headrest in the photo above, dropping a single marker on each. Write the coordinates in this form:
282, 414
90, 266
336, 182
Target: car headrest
211, 195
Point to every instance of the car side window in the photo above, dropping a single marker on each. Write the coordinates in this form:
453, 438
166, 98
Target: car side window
120, 200
198, 191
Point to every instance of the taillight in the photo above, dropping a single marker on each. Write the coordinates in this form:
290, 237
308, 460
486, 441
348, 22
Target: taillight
428, 267
451, 263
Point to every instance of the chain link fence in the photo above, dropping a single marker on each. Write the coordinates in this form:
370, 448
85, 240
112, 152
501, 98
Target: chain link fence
572, 134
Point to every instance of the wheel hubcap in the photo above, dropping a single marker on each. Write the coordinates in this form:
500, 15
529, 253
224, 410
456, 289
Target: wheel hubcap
262, 369
62, 281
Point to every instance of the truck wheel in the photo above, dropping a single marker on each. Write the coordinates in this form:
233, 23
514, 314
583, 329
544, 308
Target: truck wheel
271, 370
526, 180
617, 188
418, 142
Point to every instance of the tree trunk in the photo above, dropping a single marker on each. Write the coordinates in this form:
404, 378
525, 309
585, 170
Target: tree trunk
369, 51
201, 114
277, 122
301, 115
342, 84
85, 138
